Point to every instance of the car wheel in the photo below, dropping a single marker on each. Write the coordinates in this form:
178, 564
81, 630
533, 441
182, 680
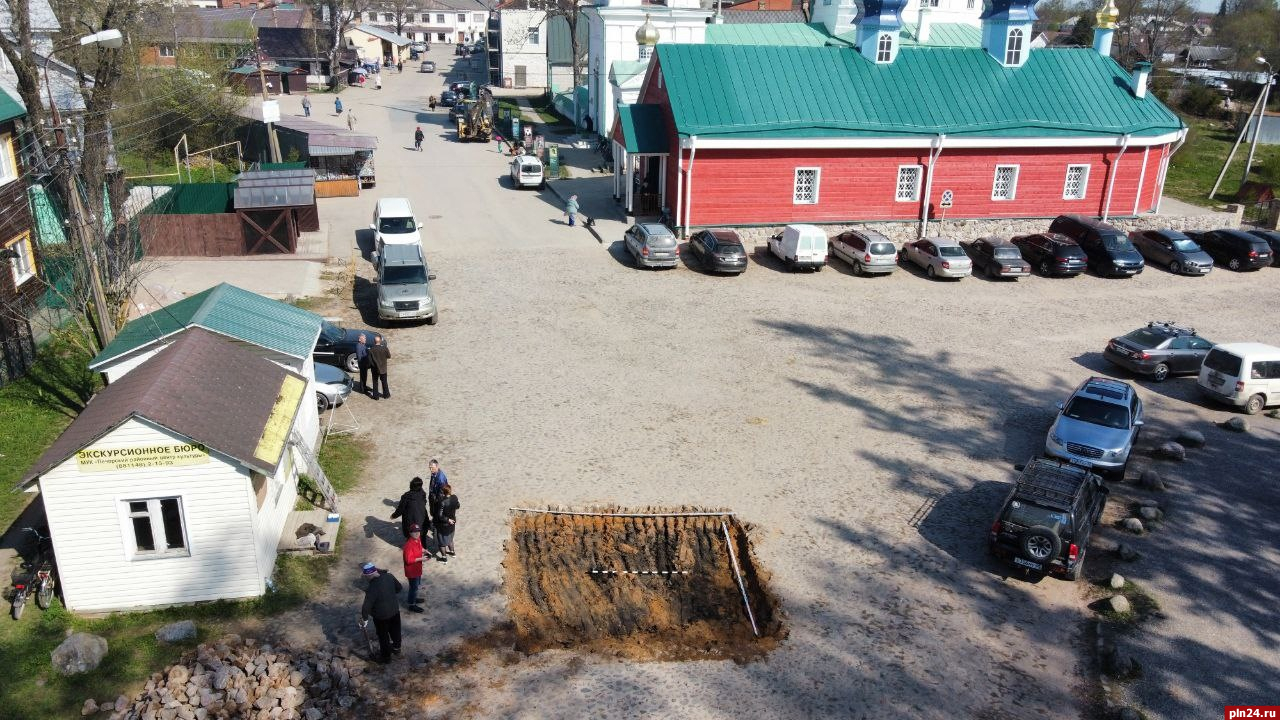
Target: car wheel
1160, 373
931, 273
1044, 268
858, 269
351, 363
433, 319
322, 402
1175, 267
1074, 573
1255, 404
1234, 264
1040, 544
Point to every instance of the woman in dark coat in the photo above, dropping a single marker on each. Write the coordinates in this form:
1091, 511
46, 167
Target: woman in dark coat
447, 521
412, 508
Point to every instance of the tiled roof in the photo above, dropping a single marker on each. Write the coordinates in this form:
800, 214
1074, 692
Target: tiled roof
203, 387
226, 310
943, 35
807, 92
776, 34
643, 128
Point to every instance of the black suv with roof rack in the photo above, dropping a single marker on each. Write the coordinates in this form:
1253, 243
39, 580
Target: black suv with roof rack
1159, 350
1044, 523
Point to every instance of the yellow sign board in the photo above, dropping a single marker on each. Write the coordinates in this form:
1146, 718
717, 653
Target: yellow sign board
137, 457
276, 430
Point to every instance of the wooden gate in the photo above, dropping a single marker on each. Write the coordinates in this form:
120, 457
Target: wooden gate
268, 231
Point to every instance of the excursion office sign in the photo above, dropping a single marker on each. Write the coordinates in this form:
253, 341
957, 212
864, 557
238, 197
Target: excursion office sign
136, 457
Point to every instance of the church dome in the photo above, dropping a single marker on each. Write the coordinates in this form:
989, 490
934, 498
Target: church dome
647, 34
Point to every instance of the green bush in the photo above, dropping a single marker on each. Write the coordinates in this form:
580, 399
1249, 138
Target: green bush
1201, 101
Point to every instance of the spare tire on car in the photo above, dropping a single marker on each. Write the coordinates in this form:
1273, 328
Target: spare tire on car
1040, 544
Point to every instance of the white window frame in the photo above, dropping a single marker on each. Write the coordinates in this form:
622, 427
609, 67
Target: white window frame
154, 513
462, 18
23, 266
1013, 55
535, 36
477, 18
915, 190
884, 48
1084, 183
1012, 185
439, 18
8, 160
165, 51
388, 17
795, 185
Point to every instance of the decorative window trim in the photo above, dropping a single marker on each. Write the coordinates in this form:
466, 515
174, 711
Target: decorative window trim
915, 190
1013, 47
1083, 184
796, 198
154, 513
8, 160
23, 266
1012, 191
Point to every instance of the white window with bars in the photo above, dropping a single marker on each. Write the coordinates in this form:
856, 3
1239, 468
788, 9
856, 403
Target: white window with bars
1077, 183
805, 190
909, 183
1005, 185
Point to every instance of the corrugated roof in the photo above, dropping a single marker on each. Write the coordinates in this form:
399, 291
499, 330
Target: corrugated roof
765, 91
10, 106
275, 188
559, 47
194, 199
227, 310
201, 387
644, 129
943, 35
378, 32
777, 34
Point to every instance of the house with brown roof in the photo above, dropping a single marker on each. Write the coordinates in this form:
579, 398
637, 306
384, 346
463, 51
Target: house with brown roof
175, 482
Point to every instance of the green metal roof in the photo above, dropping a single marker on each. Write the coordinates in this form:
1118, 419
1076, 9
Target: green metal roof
810, 92
10, 106
643, 129
776, 34
943, 35
227, 310
623, 70
193, 199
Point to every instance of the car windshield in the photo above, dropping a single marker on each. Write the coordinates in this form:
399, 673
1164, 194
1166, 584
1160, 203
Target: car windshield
530, 169
1026, 515
1145, 338
404, 275
396, 225
1224, 362
1007, 253
1117, 243
950, 251
1097, 412
1185, 245
332, 332
883, 248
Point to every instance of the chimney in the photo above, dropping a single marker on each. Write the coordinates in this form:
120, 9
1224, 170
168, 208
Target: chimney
1105, 27
1141, 71
925, 25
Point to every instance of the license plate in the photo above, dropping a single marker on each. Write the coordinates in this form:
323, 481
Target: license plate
1027, 563
406, 313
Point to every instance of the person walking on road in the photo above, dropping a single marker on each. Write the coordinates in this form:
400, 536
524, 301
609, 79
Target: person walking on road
571, 209
306, 106
399, 66
362, 361
377, 81
382, 603
412, 508
447, 521
351, 120
379, 356
431, 103
412, 553
418, 136
337, 106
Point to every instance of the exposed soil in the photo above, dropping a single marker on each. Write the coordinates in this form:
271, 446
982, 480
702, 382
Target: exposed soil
637, 587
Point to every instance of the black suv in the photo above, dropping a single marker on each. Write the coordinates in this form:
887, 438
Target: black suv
1160, 349
1044, 523
1109, 250
1273, 240
1236, 249
1052, 254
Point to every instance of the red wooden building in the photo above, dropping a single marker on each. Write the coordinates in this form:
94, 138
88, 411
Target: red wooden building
743, 135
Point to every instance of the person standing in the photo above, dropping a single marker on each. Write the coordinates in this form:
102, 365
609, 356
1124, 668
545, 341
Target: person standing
306, 106
379, 356
571, 209
337, 106
417, 133
377, 81
412, 554
431, 103
435, 494
399, 66
351, 120
447, 521
412, 508
362, 361
382, 603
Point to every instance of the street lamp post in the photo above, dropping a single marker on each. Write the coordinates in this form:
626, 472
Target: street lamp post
1257, 127
105, 325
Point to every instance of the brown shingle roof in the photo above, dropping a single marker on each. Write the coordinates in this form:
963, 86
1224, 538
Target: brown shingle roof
201, 386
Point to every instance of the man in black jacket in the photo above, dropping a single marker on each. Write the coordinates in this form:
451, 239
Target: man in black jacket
382, 603
412, 508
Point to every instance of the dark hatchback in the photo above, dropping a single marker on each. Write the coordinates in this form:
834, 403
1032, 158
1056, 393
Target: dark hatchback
1273, 239
1172, 249
719, 251
1159, 350
1235, 249
1052, 254
1109, 251
997, 258
337, 345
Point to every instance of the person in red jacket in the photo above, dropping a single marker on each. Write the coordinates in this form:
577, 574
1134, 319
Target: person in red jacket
412, 552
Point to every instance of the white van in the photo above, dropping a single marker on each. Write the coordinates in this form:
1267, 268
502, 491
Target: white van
394, 223
800, 246
526, 171
1246, 375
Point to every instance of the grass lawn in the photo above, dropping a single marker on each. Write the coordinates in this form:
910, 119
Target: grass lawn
1196, 165
136, 166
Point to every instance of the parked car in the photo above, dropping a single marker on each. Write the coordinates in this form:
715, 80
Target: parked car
997, 258
1097, 426
448, 98
1159, 350
333, 386
461, 89
1052, 254
867, 252
404, 285
394, 223
459, 109
652, 245
526, 171
1236, 249
939, 256
427, 66
1108, 249
1273, 240
1246, 375
719, 251
337, 345
1172, 249
418, 47
1045, 521
801, 247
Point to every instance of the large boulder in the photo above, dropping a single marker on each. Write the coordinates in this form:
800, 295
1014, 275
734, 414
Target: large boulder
1127, 553
1150, 514
1191, 438
1133, 525
79, 653
177, 632
1119, 604
1172, 451
1151, 480
1117, 581
1237, 424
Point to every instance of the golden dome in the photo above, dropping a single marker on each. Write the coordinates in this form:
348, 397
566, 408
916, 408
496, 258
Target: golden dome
1108, 16
647, 34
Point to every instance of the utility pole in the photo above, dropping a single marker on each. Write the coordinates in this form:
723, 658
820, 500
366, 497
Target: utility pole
1257, 124
272, 141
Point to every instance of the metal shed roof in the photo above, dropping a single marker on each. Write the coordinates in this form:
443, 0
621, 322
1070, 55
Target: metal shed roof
644, 130
275, 188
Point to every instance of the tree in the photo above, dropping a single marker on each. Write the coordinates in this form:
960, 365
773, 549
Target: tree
571, 11
1082, 33
401, 14
1252, 29
339, 16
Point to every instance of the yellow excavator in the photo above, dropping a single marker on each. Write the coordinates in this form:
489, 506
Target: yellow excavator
476, 123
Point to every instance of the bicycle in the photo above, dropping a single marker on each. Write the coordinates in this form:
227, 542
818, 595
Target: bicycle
39, 576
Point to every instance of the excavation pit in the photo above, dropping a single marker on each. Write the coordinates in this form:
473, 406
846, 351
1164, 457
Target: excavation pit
651, 584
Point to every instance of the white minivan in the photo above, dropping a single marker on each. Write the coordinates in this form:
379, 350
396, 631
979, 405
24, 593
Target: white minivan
1243, 374
394, 223
800, 246
526, 171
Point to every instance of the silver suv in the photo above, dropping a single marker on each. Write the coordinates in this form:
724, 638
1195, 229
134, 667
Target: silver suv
1097, 426
404, 284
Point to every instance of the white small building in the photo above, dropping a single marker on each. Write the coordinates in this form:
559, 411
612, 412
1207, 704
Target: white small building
373, 44
175, 482
523, 34
429, 21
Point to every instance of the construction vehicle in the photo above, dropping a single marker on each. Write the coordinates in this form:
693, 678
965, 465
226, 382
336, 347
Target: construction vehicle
475, 122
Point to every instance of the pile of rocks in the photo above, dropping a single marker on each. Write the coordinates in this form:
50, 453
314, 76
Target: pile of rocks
235, 678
